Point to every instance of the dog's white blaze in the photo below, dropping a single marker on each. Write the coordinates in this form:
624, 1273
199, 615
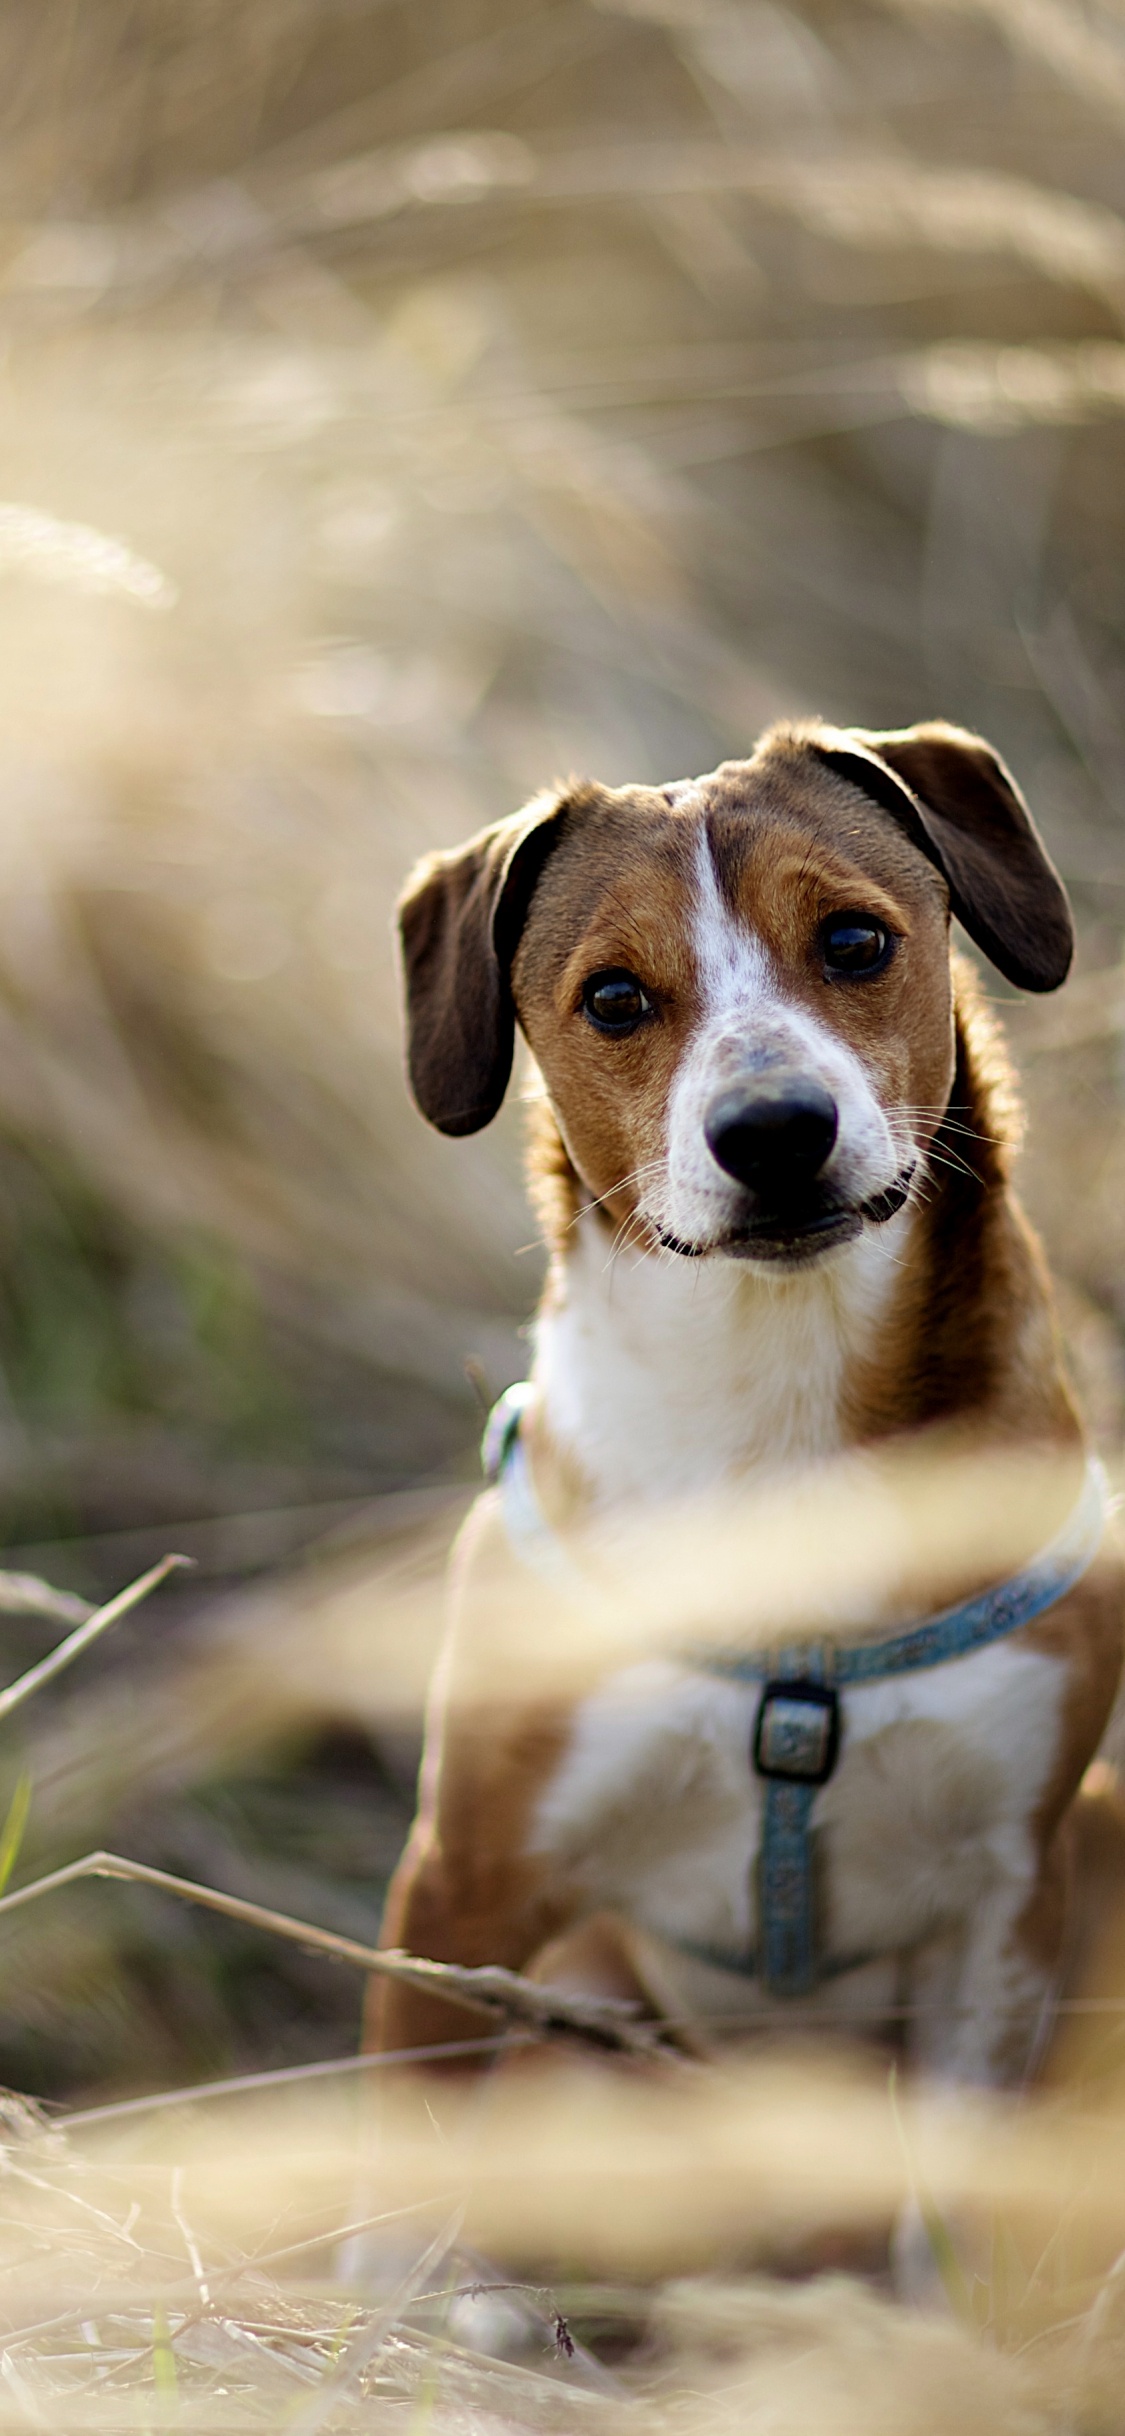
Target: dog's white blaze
656, 1811
747, 1020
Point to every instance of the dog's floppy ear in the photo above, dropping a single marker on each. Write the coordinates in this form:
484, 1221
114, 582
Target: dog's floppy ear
460, 916
955, 798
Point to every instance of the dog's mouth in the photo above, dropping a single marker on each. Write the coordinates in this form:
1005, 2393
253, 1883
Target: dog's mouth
795, 1237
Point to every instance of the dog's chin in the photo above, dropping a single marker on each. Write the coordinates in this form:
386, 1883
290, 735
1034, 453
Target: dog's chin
777, 1242
797, 1238
783, 1243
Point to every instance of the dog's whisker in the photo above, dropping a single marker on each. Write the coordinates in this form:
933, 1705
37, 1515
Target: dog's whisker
948, 1123
972, 1133
621, 1240
618, 1241
895, 1260
637, 1175
949, 1159
622, 1184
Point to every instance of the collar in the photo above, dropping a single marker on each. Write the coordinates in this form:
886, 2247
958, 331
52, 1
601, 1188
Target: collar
799, 1724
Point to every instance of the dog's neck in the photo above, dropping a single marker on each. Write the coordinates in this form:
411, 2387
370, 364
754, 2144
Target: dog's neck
660, 1377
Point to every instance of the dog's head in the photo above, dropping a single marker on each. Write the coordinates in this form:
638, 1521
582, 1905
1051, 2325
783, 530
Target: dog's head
737, 989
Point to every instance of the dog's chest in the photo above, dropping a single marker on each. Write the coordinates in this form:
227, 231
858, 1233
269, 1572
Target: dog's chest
655, 1809
662, 1379
663, 1382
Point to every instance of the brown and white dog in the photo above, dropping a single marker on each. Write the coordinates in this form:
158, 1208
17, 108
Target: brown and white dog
768, 1078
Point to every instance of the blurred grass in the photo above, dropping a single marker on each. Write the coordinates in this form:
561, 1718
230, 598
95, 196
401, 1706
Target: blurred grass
307, 2255
403, 405
400, 406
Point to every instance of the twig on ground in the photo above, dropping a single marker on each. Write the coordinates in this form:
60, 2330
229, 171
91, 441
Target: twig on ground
487, 1988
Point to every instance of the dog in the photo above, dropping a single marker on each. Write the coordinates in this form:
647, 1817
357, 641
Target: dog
775, 1094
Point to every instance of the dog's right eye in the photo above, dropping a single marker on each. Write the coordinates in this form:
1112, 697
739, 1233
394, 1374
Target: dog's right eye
615, 1001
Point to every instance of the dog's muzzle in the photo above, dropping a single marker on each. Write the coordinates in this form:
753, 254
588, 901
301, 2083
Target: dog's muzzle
773, 1134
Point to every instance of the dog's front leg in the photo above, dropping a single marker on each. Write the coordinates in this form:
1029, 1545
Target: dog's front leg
982, 2006
467, 1890
430, 1912
981, 1998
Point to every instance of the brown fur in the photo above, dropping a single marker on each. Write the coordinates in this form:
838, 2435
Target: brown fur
596, 878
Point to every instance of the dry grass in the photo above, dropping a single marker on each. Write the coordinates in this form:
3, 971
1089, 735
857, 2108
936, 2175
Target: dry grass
402, 404
306, 2255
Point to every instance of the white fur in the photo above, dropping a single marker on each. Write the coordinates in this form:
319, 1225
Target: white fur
663, 1376
656, 1812
748, 1024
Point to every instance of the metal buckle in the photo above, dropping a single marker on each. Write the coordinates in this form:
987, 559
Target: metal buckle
797, 1732
502, 1429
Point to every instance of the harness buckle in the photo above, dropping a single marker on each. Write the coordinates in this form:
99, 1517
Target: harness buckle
797, 1732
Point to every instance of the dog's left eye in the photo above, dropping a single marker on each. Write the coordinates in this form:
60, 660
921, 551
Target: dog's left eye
854, 943
615, 1001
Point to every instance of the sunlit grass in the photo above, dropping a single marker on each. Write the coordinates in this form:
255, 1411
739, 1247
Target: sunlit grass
478, 393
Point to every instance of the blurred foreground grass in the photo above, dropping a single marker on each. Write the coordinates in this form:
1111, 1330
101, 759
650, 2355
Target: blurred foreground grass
669, 2255
401, 405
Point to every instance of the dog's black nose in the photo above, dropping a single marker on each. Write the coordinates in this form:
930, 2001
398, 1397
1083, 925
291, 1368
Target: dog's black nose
773, 1134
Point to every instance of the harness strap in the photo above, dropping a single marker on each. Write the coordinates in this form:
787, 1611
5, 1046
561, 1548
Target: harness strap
955, 1632
787, 1963
799, 1723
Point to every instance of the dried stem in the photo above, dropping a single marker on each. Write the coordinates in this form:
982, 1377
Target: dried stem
23, 1594
25, 1686
489, 1988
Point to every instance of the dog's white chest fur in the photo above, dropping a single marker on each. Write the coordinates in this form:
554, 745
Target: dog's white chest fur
663, 1378
656, 1808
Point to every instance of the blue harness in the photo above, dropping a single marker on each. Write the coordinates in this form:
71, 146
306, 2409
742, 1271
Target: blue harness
799, 1722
